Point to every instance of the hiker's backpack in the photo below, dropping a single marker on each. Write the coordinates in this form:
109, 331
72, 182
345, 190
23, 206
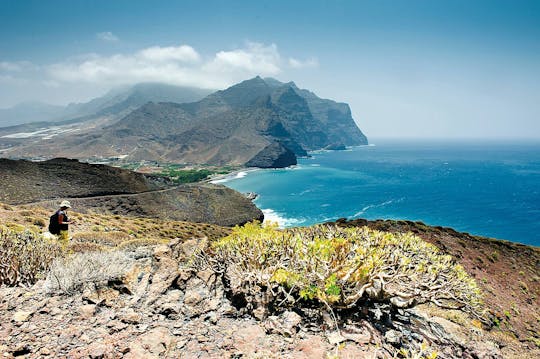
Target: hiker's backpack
54, 227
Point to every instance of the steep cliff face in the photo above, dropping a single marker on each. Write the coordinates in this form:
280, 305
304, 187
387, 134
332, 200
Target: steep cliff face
274, 155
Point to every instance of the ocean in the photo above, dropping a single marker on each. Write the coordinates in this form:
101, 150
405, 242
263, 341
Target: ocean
489, 189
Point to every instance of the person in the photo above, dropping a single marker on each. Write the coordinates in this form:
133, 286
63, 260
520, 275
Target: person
63, 223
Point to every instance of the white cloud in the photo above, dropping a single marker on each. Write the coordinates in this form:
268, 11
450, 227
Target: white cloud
183, 53
83, 76
299, 64
256, 58
107, 36
180, 65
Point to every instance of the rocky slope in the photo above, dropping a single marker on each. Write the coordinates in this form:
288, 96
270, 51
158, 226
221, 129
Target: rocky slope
111, 190
227, 127
25, 181
200, 203
150, 301
148, 304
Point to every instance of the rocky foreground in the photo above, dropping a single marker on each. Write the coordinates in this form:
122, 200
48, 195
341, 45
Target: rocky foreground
148, 303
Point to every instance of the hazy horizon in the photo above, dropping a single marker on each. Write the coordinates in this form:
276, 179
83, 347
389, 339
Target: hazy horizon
410, 69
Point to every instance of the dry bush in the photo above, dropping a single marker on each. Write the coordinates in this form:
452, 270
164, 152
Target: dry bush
25, 256
134, 243
81, 247
86, 270
340, 267
113, 238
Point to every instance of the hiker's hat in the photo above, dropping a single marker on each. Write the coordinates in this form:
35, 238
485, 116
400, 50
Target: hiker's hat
65, 204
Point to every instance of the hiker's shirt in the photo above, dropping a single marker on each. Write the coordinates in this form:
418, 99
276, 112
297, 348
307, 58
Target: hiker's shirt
62, 217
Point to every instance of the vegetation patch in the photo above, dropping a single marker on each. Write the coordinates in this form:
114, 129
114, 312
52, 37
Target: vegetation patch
25, 256
341, 267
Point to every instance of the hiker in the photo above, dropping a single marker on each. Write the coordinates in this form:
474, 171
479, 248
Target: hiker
59, 223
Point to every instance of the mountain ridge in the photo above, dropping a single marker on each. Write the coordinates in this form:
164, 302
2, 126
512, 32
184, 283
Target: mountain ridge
229, 126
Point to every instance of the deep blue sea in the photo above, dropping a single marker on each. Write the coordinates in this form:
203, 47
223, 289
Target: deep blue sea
490, 189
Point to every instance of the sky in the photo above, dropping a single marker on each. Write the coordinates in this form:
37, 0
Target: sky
408, 69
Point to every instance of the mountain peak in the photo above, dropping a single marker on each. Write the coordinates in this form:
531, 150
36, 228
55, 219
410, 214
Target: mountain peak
246, 92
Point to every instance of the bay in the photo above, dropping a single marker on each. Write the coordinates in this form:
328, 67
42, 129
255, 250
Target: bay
485, 188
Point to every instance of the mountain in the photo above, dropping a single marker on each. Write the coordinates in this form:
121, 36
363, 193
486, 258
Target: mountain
231, 126
29, 112
115, 104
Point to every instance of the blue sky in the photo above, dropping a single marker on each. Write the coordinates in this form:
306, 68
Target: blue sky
461, 69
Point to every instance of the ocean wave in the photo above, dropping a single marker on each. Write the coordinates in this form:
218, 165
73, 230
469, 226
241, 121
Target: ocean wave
271, 216
231, 177
378, 205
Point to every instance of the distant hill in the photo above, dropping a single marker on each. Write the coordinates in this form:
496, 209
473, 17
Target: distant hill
116, 103
25, 181
110, 190
232, 126
29, 112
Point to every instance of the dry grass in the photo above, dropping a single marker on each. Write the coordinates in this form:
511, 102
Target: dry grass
94, 231
79, 271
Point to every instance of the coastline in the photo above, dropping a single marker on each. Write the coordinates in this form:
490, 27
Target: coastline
236, 174
415, 182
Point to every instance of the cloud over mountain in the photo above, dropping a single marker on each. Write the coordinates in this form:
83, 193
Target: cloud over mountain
180, 65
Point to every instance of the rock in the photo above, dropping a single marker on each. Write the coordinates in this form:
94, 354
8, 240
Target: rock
192, 298
156, 341
336, 147
87, 311
187, 248
335, 337
375, 291
402, 302
212, 317
251, 196
169, 304
129, 316
101, 296
21, 316
286, 324
97, 350
44, 351
393, 337
260, 313
313, 347
358, 334
485, 350
162, 279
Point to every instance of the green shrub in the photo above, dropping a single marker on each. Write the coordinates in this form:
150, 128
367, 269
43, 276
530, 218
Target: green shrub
25, 256
341, 266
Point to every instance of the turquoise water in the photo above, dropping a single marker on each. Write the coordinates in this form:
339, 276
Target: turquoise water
487, 188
